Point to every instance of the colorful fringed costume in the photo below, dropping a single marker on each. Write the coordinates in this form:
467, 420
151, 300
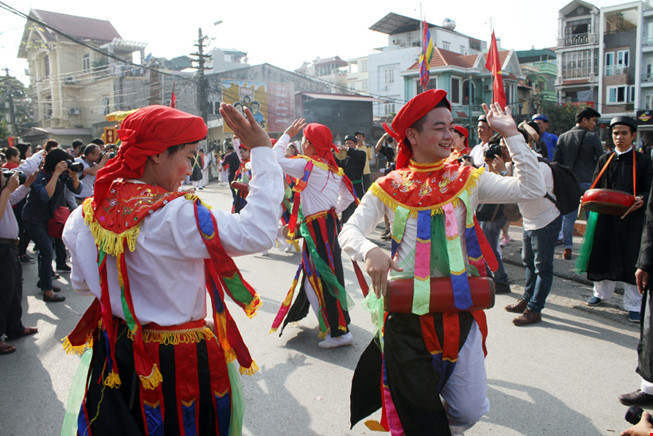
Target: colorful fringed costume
419, 357
323, 191
149, 256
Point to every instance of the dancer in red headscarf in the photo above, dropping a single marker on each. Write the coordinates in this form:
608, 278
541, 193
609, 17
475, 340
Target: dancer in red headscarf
425, 350
324, 191
157, 368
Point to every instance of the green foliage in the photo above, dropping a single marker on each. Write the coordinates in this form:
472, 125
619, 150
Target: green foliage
561, 118
24, 119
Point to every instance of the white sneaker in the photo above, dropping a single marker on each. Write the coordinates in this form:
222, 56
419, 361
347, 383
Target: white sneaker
340, 341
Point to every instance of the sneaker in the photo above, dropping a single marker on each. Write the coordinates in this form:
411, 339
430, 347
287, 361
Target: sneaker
340, 341
634, 316
594, 301
26, 259
63, 268
505, 241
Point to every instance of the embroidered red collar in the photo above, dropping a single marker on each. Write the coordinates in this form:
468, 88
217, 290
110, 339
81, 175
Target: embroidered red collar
425, 186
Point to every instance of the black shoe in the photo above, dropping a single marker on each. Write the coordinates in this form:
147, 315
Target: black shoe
63, 268
637, 398
26, 259
54, 299
501, 288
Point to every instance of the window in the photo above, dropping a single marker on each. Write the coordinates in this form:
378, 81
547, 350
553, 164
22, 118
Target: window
455, 90
622, 58
389, 108
620, 94
104, 106
86, 63
648, 98
446, 45
463, 50
609, 64
363, 66
365, 85
389, 74
466, 96
46, 62
576, 64
433, 84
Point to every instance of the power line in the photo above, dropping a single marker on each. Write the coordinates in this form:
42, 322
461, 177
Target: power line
14, 11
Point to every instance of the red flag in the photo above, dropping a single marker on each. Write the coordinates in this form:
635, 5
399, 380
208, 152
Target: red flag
11, 141
494, 65
173, 99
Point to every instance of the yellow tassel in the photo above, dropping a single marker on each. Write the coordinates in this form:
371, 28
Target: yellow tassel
249, 371
113, 380
230, 356
153, 380
322, 335
250, 309
374, 425
272, 331
77, 349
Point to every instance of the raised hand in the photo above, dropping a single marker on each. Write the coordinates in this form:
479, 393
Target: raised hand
296, 127
247, 129
500, 120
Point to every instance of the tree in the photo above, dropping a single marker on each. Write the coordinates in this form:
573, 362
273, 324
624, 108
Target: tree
13, 94
561, 118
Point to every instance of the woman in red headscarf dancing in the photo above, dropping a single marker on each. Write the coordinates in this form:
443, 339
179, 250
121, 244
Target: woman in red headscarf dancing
323, 191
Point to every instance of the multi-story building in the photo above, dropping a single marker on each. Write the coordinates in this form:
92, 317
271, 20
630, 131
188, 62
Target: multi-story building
468, 83
329, 70
358, 75
387, 65
73, 85
578, 53
539, 67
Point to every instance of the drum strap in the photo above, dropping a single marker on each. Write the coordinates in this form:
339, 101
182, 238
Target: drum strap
606, 166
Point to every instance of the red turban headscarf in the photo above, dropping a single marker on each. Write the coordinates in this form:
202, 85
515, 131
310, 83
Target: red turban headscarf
321, 138
147, 132
412, 111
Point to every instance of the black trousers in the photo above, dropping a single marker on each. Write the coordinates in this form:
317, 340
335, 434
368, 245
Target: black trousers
11, 290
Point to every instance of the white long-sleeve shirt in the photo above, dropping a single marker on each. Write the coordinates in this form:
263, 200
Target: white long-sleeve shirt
325, 190
166, 271
526, 184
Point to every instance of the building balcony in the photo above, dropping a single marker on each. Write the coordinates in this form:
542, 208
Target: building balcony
578, 39
614, 70
646, 79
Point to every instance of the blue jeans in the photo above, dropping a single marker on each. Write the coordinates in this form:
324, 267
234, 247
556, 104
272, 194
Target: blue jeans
492, 231
537, 256
570, 219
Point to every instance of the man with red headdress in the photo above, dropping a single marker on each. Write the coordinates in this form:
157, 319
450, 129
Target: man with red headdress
324, 191
149, 253
426, 350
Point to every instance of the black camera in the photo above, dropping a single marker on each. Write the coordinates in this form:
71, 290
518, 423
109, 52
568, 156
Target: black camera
634, 415
494, 150
464, 157
77, 167
8, 173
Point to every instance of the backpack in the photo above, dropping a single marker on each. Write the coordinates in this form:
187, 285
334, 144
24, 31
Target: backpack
565, 188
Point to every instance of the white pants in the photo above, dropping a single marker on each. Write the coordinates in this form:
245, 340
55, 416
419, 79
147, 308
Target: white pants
465, 393
632, 301
647, 387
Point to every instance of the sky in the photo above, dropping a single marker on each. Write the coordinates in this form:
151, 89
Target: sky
286, 33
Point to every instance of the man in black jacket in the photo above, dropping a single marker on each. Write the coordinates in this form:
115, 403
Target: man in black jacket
578, 149
644, 395
352, 162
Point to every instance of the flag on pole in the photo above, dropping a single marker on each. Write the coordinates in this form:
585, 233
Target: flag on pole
425, 56
493, 64
173, 98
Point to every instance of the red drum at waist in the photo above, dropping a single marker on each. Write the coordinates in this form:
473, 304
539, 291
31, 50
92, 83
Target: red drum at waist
607, 201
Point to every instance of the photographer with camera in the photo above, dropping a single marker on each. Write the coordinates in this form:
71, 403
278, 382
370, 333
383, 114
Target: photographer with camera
92, 160
14, 186
45, 199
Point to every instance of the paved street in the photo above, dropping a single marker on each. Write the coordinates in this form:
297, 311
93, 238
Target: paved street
561, 376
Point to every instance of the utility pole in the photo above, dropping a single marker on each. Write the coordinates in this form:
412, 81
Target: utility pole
201, 79
9, 105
